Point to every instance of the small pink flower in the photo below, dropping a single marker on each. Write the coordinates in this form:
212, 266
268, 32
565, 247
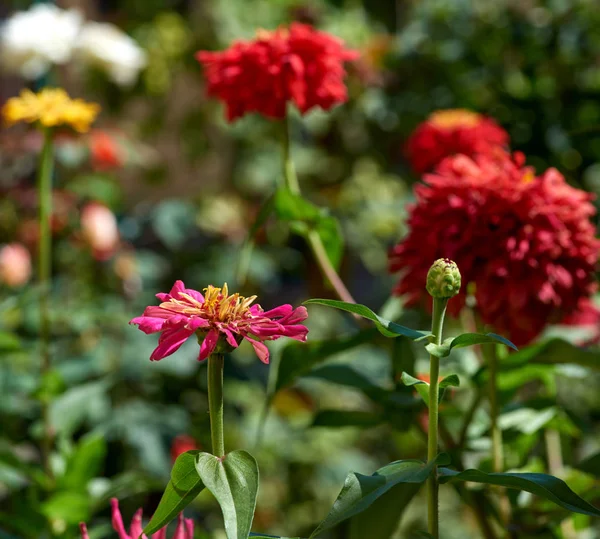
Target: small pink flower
15, 265
184, 530
99, 228
220, 320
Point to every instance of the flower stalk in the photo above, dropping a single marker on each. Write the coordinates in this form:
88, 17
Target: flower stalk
439, 310
314, 240
46, 170
215, 403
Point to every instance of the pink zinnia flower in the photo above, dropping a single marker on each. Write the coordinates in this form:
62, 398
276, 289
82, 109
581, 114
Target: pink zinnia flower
220, 320
184, 530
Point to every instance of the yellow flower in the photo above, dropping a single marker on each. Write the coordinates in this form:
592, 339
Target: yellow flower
51, 107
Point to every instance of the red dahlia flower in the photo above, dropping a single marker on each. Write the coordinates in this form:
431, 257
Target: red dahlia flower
525, 242
299, 65
220, 320
450, 132
184, 530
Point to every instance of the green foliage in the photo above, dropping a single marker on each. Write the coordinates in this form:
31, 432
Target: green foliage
422, 387
545, 486
233, 481
185, 484
385, 327
361, 491
466, 339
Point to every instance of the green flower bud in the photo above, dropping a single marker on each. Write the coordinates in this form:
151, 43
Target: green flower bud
443, 279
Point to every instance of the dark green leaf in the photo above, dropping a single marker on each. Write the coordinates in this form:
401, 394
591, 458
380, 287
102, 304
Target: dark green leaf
345, 376
590, 465
346, 418
360, 491
262, 536
297, 359
386, 327
553, 351
422, 387
543, 485
233, 481
182, 489
466, 339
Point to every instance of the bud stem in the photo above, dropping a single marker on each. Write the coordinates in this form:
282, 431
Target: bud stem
439, 310
215, 402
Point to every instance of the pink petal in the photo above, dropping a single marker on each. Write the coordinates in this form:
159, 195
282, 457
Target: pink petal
117, 520
278, 312
83, 529
136, 525
230, 337
298, 315
160, 534
177, 287
261, 350
148, 324
170, 341
208, 344
189, 527
197, 322
180, 532
194, 294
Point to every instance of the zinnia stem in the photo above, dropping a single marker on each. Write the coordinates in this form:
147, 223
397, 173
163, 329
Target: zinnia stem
439, 310
314, 240
46, 169
215, 402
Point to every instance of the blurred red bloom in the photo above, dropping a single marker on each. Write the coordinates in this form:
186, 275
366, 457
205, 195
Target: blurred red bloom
450, 132
15, 265
105, 152
299, 65
525, 242
181, 444
220, 320
184, 530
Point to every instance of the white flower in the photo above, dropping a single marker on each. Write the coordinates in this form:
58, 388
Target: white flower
105, 46
31, 41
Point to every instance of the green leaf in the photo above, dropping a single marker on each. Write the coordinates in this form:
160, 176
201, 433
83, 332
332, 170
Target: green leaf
233, 481
385, 327
291, 207
262, 536
85, 462
543, 485
345, 375
330, 232
297, 359
361, 491
9, 342
590, 465
422, 387
346, 418
182, 489
553, 352
380, 520
72, 507
466, 339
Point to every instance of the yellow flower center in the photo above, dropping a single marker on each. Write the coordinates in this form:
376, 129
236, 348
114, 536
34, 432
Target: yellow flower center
218, 305
50, 107
448, 119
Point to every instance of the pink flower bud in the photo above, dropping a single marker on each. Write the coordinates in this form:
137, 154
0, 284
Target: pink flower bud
15, 265
99, 228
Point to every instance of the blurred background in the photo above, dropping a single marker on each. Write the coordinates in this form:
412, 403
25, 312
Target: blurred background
163, 188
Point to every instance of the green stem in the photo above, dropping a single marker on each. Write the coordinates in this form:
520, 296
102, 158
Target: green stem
314, 240
46, 170
497, 450
439, 309
215, 402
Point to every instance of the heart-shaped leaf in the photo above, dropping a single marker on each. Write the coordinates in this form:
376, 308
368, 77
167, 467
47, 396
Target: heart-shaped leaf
361, 491
233, 481
543, 485
386, 327
182, 489
466, 339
